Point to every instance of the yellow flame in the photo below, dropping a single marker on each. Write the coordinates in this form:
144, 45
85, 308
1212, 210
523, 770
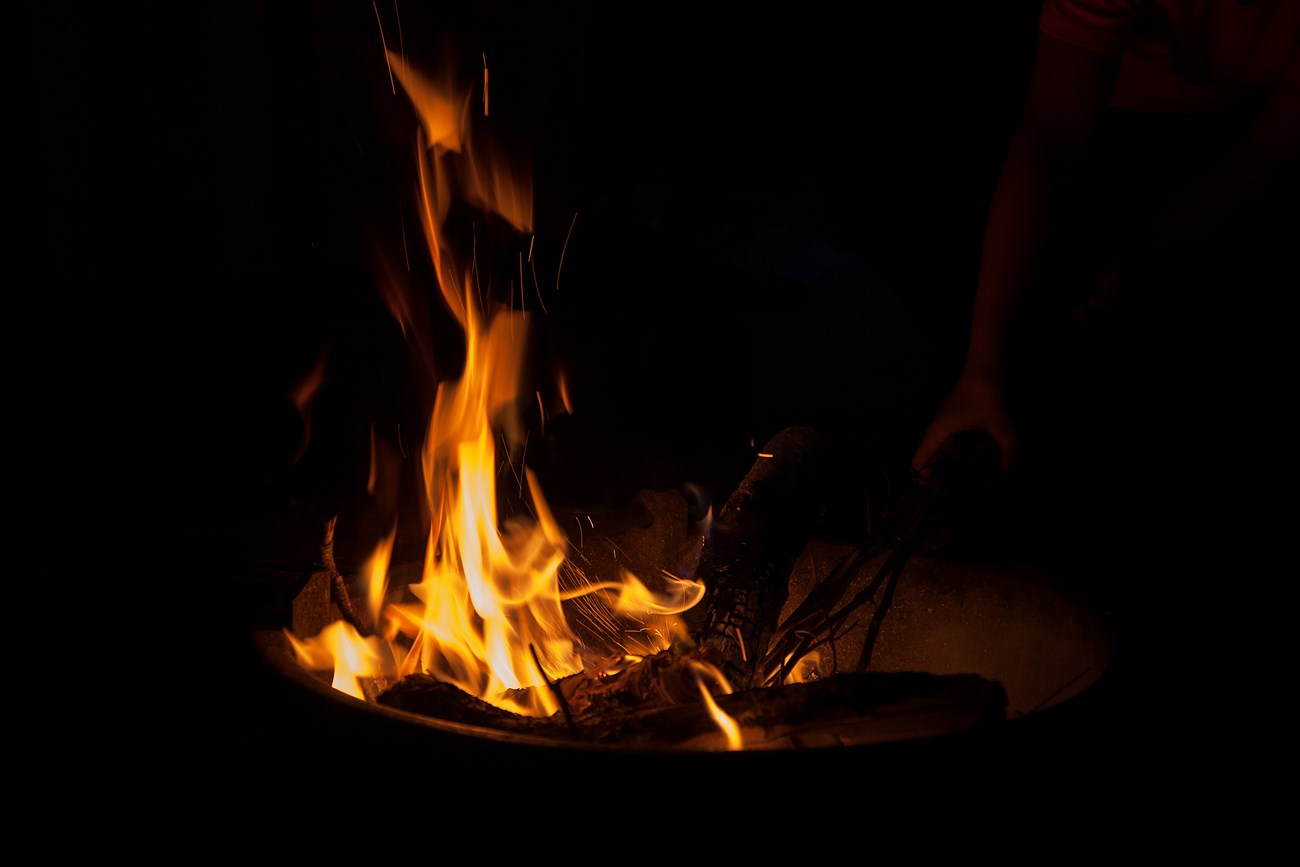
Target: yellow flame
806, 669
730, 728
725, 722
376, 572
352, 656
487, 613
635, 597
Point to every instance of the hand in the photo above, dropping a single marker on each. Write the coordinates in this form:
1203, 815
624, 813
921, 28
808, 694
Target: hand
1099, 302
976, 402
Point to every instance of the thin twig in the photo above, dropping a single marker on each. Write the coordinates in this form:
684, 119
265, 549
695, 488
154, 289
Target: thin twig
878, 617
813, 617
338, 587
555, 690
1060, 689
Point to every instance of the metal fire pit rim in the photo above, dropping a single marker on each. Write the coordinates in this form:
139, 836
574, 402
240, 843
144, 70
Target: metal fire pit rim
275, 651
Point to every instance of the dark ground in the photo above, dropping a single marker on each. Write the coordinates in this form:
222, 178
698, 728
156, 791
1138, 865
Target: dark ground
777, 223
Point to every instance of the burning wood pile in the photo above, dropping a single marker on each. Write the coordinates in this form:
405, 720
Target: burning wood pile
664, 636
710, 687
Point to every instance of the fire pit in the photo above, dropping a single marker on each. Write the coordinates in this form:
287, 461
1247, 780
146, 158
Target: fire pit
908, 647
198, 752
737, 632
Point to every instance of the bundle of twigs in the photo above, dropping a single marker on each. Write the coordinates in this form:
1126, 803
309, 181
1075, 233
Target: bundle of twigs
824, 614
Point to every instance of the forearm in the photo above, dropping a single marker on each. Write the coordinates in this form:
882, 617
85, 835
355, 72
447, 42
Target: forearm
1013, 243
1068, 93
1035, 187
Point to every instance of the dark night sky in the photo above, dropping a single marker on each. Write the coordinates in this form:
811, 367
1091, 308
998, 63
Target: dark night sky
202, 188
200, 185
196, 184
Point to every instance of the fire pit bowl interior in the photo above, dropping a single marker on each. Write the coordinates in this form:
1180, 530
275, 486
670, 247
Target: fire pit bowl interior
1016, 627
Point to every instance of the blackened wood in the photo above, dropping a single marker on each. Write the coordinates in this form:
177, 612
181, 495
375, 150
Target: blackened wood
324, 598
314, 607
660, 680
755, 540
338, 587
843, 710
426, 695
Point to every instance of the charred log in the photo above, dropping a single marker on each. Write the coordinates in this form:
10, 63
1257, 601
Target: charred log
843, 710
428, 696
755, 541
324, 597
745, 564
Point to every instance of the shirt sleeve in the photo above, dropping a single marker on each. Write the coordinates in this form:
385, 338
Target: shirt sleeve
1101, 25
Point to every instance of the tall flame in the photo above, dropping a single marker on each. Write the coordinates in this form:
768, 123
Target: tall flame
490, 615
488, 612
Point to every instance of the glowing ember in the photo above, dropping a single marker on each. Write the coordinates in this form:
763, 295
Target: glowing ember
488, 614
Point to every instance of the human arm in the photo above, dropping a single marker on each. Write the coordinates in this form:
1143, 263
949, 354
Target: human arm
1069, 90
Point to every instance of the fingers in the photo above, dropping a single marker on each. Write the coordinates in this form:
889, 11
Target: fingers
974, 404
938, 435
1005, 439
1097, 306
934, 437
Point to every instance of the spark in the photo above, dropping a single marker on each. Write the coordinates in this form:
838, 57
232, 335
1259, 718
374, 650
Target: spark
384, 42
541, 408
485, 85
532, 265
740, 639
765, 454
523, 462
401, 41
564, 395
509, 462
614, 547
563, 250
478, 282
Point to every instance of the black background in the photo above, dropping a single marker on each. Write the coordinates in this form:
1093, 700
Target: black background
199, 189
204, 186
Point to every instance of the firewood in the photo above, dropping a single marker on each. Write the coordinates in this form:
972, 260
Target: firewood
745, 565
324, 596
755, 541
662, 679
843, 710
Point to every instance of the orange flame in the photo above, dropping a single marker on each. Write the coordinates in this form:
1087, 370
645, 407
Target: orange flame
488, 611
353, 657
730, 728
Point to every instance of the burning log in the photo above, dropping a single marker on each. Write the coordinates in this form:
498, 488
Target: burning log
677, 698
495, 586
755, 541
845, 710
